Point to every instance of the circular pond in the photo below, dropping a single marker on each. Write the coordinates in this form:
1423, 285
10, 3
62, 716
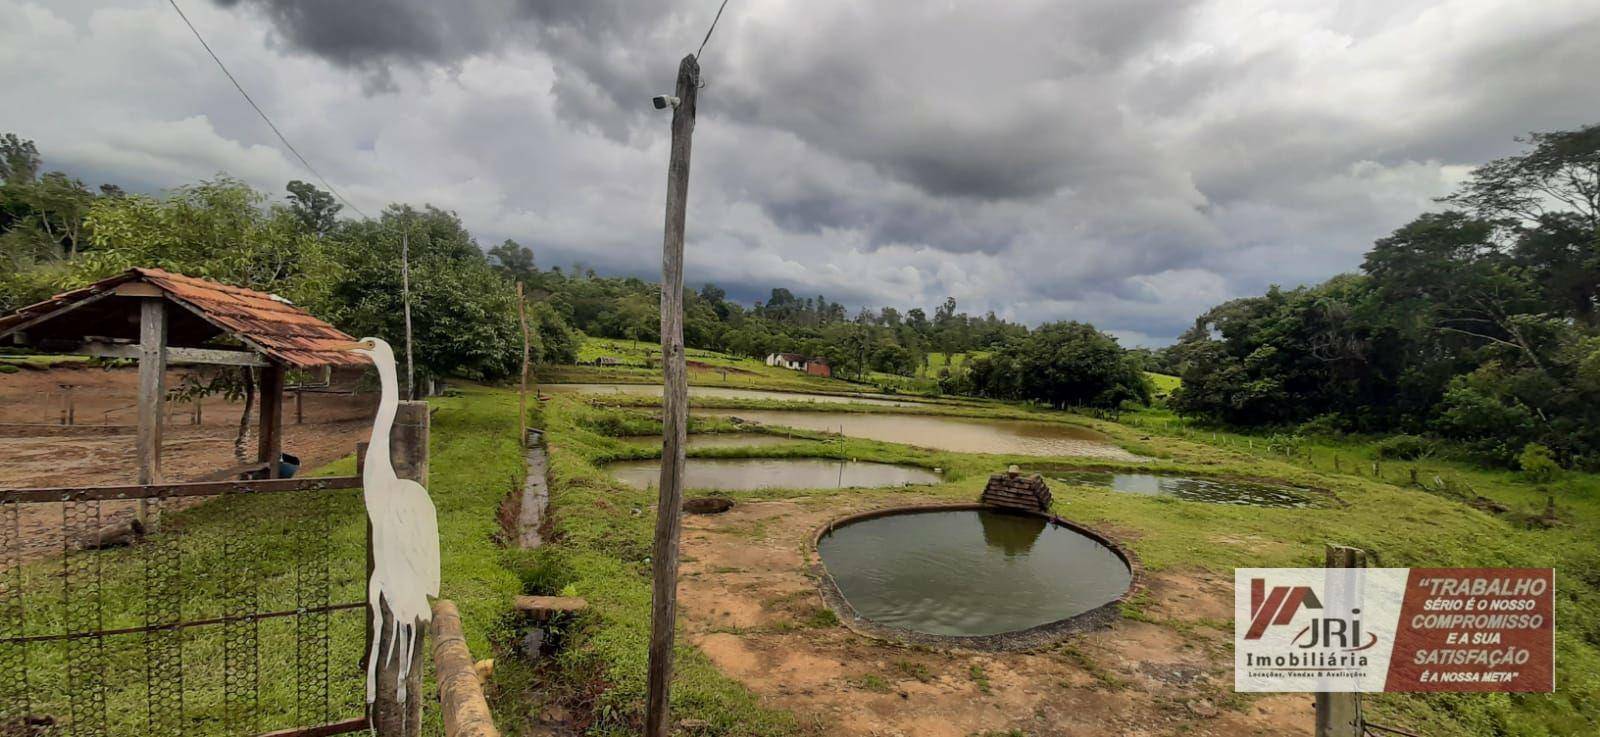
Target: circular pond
743, 474
974, 575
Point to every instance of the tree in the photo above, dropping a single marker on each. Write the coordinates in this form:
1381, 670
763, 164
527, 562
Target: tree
1561, 170
218, 229
315, 208
464, 313
515, 261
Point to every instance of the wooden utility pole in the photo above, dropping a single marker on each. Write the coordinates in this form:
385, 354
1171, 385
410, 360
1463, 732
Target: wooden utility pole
522, 390
1339, 714
675, 409
405, 299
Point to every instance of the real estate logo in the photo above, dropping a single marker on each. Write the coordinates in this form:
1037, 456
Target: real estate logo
1393, 629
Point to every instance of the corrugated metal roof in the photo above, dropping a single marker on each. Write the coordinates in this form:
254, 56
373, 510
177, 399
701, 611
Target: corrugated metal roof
265, 323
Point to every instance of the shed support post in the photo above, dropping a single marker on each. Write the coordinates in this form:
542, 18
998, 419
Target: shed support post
269, 447
408, 444
152, 393
1339, 714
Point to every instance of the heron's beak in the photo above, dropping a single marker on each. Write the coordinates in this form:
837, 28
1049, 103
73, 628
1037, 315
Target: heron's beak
350, 345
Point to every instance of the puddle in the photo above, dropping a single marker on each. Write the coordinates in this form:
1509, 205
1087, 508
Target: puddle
957, 434
969, 572
1193, 488
723, 392
744, 474
716, 440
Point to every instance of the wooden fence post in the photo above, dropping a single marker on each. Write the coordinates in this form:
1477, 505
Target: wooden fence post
674, 406
408, 451
1339, 714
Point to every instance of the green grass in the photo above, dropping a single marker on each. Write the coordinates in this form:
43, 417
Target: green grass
261, 539
1164, 383
604, 543
937, 361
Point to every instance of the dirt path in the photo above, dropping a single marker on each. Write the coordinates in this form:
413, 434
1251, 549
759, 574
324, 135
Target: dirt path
749, 605
36, 451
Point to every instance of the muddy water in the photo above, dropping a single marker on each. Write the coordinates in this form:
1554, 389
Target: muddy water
969, 572
1194, 489
717, 440
723, 392
958, 434
742, 474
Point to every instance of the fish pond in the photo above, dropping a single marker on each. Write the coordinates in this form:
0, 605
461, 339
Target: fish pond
745, 474
716, 440
956, 434
723, 392
1193, 488
969, 572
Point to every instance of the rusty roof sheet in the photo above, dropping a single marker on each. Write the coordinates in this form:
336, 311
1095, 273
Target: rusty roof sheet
265, 323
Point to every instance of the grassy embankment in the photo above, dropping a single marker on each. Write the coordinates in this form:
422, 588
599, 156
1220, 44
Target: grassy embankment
474, 461
602, 533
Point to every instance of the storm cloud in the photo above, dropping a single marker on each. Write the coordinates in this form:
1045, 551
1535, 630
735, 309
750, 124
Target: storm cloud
1127, 162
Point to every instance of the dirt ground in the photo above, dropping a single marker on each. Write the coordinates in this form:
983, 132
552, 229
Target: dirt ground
36, 450
748, 603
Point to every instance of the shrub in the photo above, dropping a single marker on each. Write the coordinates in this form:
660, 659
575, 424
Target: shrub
1538, 463
1404, 447
6, 368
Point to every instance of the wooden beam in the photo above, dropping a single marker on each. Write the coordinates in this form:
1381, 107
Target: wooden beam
675, 411
176, 356
185, 489
138, 289
463, 708
270, 445
543, 607
152, 392
51, 315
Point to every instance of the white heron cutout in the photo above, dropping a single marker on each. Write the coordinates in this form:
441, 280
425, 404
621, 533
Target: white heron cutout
405, 532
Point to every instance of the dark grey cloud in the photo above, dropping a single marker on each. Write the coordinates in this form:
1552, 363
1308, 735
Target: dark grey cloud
1125, 161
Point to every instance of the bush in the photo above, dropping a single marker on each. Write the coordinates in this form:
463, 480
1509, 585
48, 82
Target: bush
1404, 447
1538, 463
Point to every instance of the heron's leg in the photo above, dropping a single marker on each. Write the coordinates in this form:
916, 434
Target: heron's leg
373, 594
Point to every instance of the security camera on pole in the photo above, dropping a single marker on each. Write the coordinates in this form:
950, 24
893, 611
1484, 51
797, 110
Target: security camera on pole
675, 401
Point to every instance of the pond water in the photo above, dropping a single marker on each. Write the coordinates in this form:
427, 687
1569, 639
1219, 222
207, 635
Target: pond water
723, 392
716, 440
958, 434
743, 474
970, 572
1194, 488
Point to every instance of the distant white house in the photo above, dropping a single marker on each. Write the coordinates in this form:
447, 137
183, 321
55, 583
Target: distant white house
797, 362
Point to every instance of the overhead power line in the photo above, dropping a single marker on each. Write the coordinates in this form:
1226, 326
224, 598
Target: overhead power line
270, 124
712, 28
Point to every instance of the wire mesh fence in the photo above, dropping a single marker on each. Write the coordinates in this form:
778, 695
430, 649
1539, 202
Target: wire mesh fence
236, 613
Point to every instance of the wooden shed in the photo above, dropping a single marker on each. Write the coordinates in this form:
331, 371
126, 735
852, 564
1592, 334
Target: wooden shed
161, 318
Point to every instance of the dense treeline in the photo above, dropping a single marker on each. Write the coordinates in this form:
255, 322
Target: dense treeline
55, 234
1478, 324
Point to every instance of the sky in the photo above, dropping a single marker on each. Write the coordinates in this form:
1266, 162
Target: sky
1128, 163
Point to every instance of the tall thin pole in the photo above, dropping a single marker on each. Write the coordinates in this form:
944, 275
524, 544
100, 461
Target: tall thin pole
675, 417
405, 298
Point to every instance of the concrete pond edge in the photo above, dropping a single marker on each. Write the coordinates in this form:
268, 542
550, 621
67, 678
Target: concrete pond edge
1033, 638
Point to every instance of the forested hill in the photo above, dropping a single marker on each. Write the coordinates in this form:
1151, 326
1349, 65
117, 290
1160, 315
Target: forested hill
1477, 323
56, 233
